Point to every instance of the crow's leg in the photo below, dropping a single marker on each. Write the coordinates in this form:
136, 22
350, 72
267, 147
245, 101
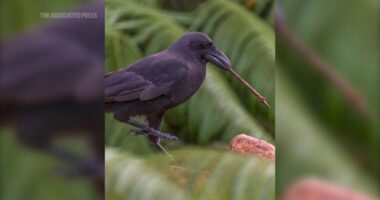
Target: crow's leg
150, 130
147, 130
154, 121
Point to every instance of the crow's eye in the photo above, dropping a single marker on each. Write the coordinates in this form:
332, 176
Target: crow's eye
202, 46
205, 46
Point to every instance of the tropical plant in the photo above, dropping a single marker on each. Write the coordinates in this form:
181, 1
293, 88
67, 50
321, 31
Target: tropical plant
220, 110
196, 174
152, 30
319, 130
26, 173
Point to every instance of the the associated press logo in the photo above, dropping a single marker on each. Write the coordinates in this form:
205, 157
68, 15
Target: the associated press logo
69, 15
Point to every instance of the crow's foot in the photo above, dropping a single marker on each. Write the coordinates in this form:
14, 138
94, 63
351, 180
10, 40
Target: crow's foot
138, 132
151, 131
154, 132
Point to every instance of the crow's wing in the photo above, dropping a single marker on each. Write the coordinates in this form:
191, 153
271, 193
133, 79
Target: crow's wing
145, 80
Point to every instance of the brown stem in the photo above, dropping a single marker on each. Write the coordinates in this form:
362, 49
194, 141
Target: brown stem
255, 92
352, 96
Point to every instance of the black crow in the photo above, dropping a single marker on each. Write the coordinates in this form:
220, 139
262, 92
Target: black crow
158, 82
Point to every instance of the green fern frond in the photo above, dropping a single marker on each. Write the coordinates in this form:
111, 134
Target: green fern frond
197, 174
152, 37
121, 50
250, 44
309, 147
130, 178
218, 114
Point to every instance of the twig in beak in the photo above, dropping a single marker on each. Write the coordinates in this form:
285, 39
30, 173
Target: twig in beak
257, 94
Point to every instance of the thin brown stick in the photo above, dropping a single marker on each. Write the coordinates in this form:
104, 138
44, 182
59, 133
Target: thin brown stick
352, 96
256, 93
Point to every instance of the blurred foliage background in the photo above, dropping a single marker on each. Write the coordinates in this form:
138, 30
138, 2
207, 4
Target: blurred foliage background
26, 173
319, 132
221, 109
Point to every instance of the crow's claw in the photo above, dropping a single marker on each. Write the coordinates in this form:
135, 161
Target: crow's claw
166, 136
146, 130
138, 132
151, 131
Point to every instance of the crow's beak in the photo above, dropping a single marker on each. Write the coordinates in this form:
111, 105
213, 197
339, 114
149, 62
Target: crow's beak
218, 58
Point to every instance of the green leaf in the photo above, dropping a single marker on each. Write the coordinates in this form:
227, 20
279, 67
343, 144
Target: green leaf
307, 148
196, 174
249, 44
215, 112
121, 50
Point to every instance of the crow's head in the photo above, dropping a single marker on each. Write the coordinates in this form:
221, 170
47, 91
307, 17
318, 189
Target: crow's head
199, 44
196, 45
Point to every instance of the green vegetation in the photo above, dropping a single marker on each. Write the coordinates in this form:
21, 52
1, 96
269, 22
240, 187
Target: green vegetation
318, 131
25, 173
221, 109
